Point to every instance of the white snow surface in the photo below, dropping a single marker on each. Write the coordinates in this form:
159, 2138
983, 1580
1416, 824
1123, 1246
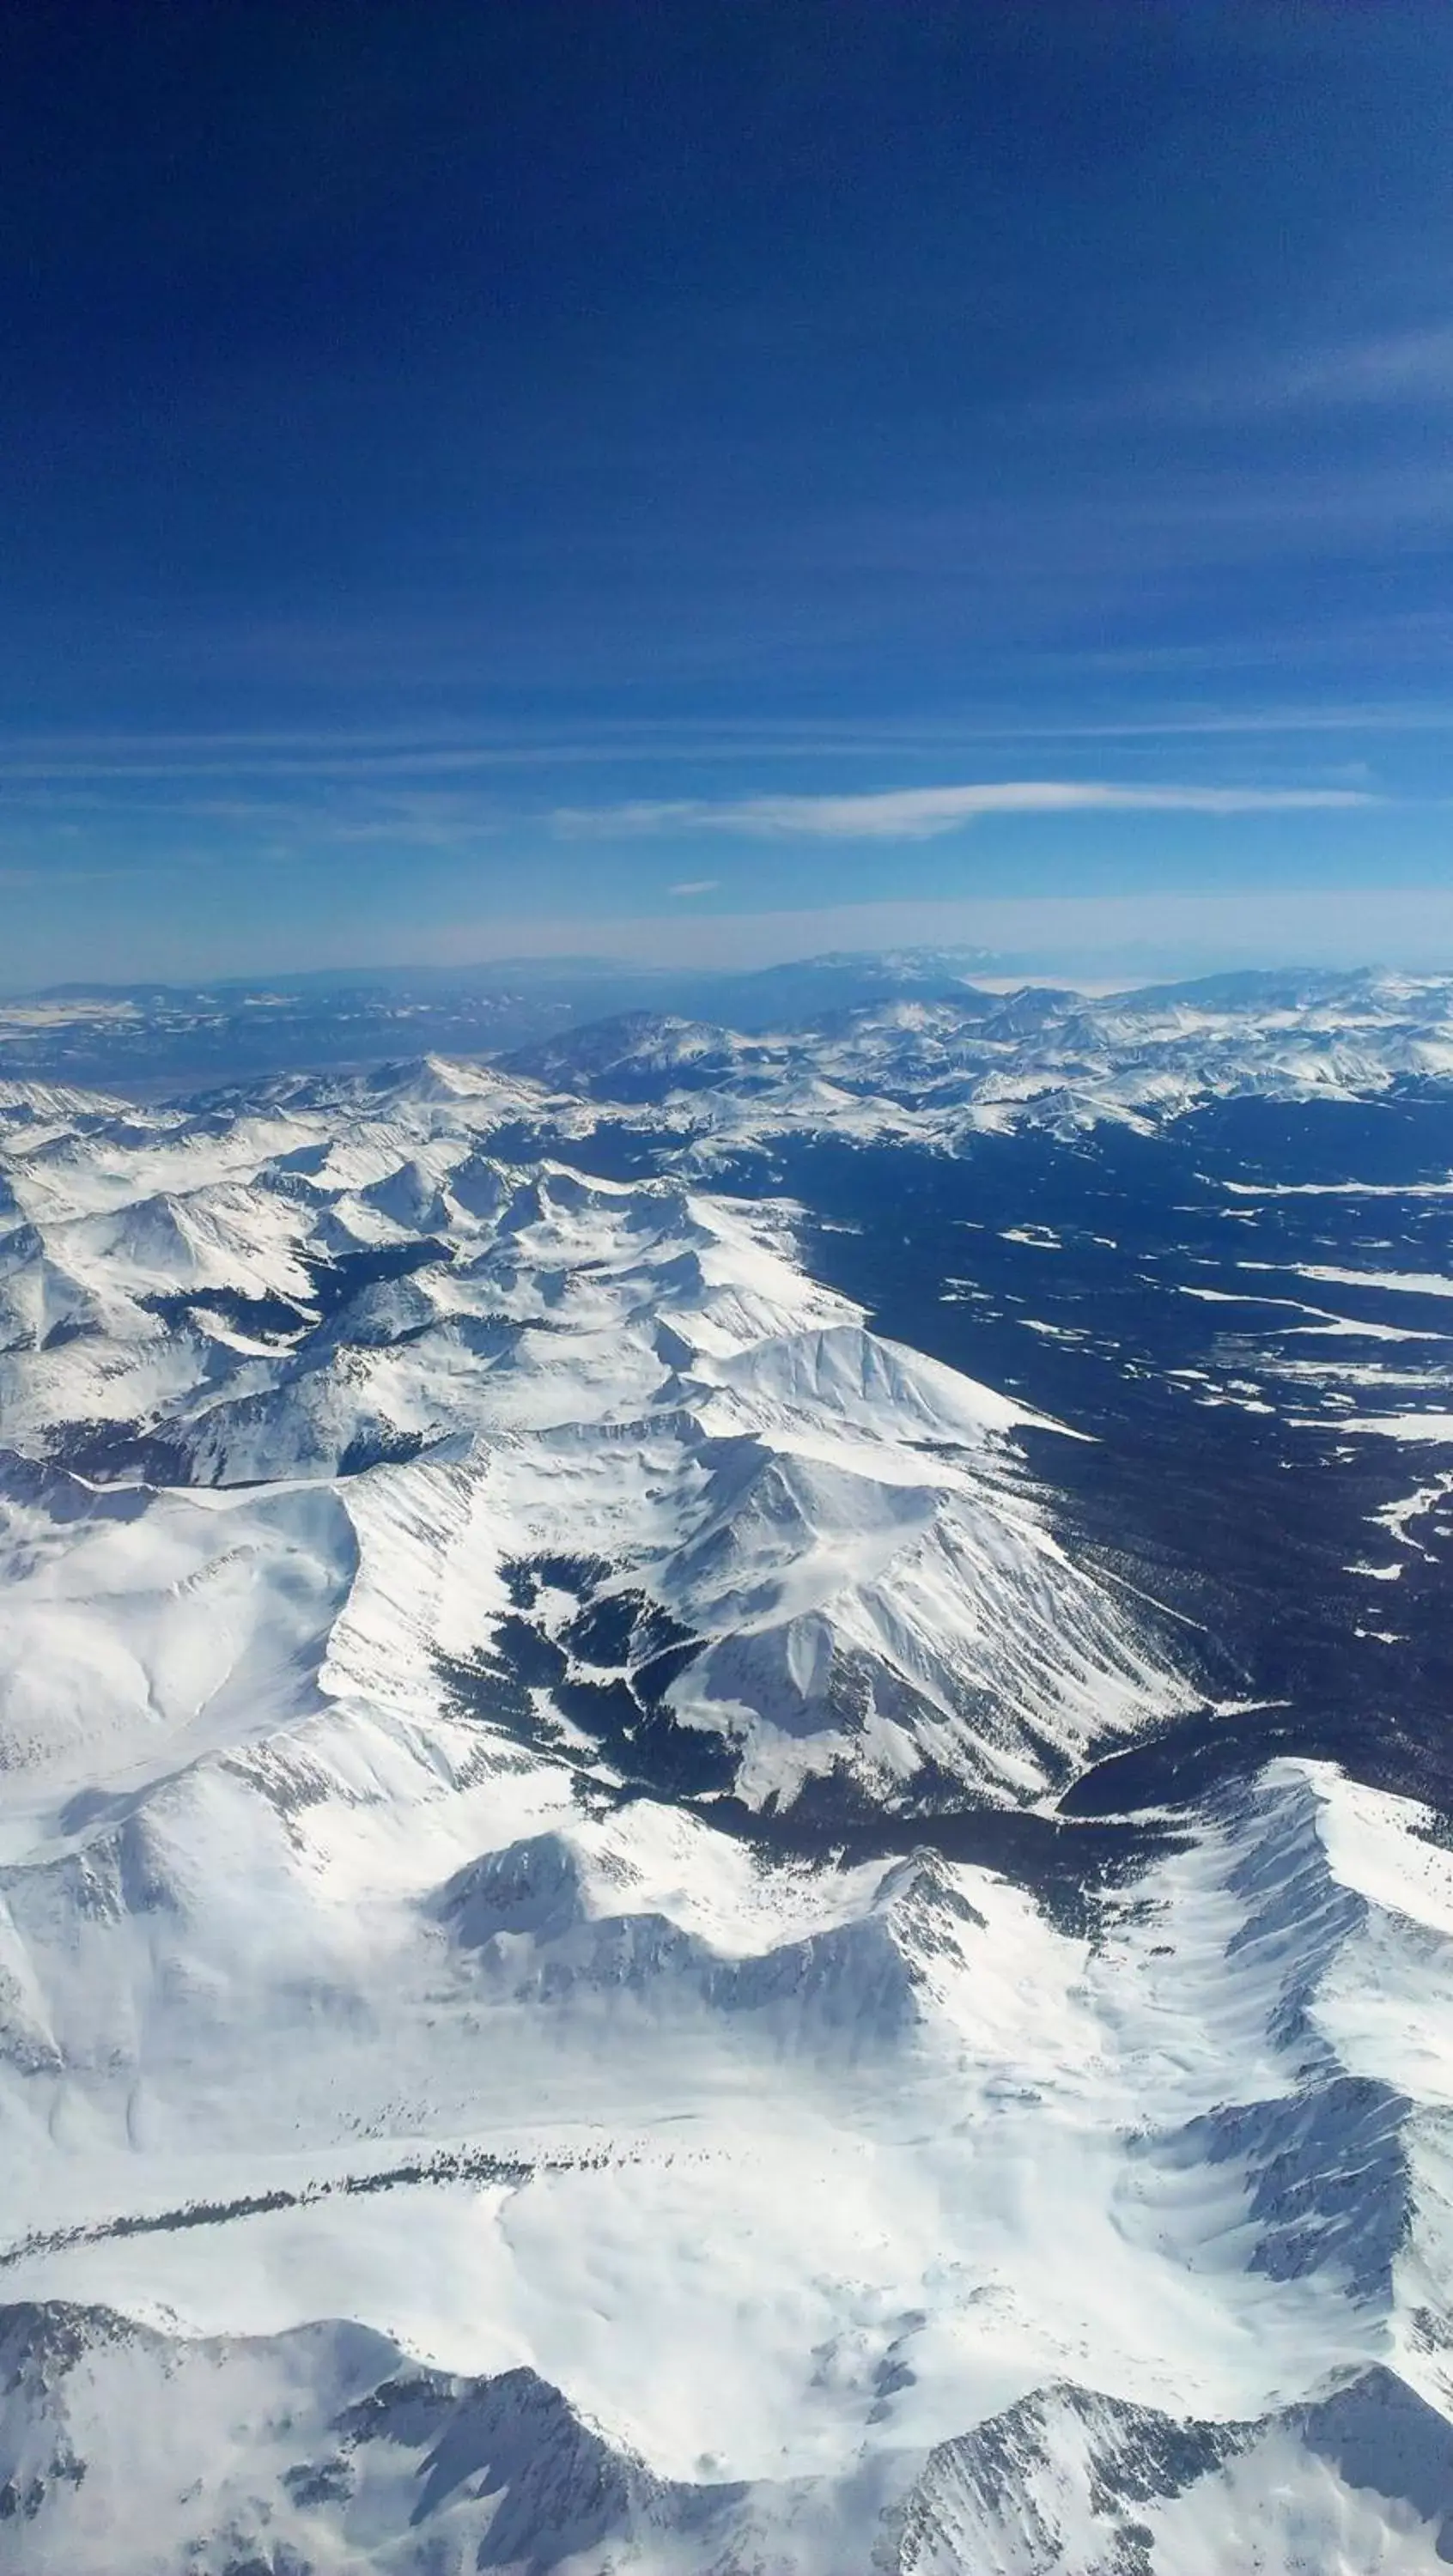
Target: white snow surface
938, 1071
521, 1363
418, 2157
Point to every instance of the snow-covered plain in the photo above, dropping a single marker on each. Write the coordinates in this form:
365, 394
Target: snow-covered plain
456, 2110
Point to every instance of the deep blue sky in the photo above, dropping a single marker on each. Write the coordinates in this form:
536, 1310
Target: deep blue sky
469, 472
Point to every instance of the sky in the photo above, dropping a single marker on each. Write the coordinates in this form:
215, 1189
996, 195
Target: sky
702, 479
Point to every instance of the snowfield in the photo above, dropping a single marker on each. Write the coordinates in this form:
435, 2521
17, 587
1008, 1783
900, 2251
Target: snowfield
501, 2065
937, 1071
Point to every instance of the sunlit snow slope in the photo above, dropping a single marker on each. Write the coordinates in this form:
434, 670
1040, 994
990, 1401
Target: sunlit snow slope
504, 2059
941, 1068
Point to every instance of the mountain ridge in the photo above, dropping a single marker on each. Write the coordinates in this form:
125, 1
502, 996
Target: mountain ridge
543, 1755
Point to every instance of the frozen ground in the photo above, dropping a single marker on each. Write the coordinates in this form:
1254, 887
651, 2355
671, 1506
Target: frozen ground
510, 2055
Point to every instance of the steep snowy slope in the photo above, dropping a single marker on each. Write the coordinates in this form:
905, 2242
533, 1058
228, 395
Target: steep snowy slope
329, 2448
506, 2056
797, 1548
957, 2247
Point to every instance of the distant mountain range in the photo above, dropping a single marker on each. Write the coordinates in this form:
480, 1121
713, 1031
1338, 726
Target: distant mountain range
912, 1028
939, 1068
149, 1037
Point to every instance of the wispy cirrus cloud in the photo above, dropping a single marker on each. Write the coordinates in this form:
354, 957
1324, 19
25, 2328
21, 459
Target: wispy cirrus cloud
922, 813
1392, 367
695, 885
1372, 371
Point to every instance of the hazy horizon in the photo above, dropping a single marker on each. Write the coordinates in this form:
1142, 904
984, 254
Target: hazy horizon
1106, 941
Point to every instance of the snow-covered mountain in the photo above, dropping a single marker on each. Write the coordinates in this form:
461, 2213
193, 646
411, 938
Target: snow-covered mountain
592, 1974
939, 1070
